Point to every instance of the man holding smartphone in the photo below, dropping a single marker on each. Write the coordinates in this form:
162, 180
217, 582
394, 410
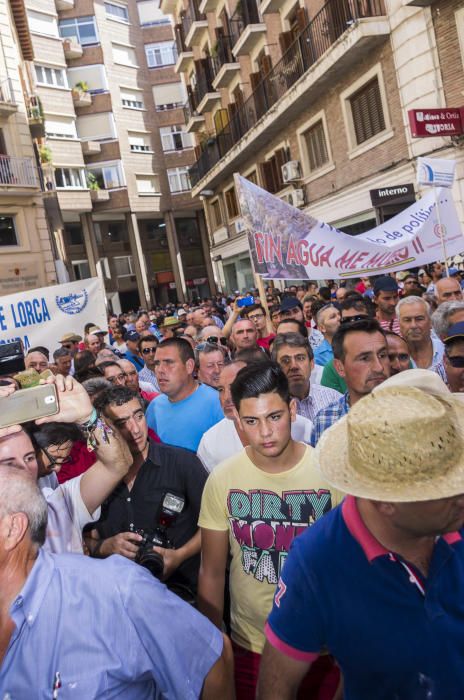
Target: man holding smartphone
76, 502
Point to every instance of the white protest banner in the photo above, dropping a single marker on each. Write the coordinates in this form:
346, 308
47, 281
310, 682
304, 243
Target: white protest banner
286, 243
42, 316
435, 172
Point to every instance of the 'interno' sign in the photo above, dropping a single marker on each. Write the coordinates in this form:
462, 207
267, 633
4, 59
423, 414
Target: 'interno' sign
436, 122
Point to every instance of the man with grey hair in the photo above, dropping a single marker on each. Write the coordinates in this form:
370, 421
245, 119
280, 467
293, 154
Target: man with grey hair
447, 314
63, 361
209, 362
415, 325
295, 356
64, 610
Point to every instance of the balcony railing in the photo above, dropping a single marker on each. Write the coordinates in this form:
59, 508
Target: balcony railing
245, 14
192, 14
224, 51
180, 39
6, 91
332, 20
17, 172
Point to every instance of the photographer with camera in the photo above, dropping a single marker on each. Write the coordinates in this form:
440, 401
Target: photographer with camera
152, 515
75, 503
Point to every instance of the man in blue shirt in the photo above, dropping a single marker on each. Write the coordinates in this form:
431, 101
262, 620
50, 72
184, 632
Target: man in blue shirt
185, 410
378, 581
328, 321
73, 627
133, 354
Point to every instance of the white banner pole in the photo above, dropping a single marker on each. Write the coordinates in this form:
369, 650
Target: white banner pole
440, 228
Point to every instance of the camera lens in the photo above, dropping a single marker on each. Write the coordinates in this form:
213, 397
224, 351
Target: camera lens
153, 562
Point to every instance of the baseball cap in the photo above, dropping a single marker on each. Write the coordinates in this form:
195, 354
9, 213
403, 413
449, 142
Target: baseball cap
452, 271
132, 335
385, 284
455, 331
181, 312
289, 303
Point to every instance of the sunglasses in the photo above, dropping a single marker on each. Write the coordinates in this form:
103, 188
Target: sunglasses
55, 461
351, 319
457, 361
213, 339
148, 351
68, 347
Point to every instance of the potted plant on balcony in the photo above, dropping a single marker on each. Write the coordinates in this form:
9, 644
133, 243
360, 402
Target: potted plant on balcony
45, 155
96, 194
80, 93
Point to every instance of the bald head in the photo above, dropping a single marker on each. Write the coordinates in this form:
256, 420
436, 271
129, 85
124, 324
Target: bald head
448, 289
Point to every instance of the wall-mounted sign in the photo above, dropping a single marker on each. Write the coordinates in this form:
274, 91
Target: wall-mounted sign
435, 122
396, 194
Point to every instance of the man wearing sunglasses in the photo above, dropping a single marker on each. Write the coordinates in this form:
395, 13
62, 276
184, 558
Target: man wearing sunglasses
451, 369
147, 349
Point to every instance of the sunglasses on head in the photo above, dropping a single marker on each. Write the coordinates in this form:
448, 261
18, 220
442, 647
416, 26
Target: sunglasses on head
215, 339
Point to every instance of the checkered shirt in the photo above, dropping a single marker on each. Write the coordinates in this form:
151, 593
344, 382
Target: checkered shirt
328, 416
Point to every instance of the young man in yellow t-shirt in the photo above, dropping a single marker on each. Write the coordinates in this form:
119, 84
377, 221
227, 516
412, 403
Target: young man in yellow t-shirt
254, 505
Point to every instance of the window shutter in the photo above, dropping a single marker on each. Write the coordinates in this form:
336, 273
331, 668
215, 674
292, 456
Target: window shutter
280, 157
302, 18
367, 112
267, 175
221, 120
285, 39
266, 64
316, 146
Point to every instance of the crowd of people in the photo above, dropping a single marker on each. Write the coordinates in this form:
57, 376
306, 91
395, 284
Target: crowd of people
282, 478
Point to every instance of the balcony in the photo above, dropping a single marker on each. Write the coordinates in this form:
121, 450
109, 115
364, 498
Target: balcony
206, 97
227, 66
62, 5
99, 195
17, 174
184, 55
193, 120
7, 99
72, 48
35, 116
247, 28
81, 98
90, 148
194, 25
337, 38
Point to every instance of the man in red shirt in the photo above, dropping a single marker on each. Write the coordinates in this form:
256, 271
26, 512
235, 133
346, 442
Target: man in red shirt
257, 315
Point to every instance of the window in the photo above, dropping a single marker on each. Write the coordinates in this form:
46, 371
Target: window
271, 170
174, 138
147, 184
8, 234
60, 127
117, 12
96, 127
316, 145
217, 213
179, 180
81, 269
74, 233
94, 76
84, 29
109, 175
123, 266
231, 203
132, 99
70, 178
124, 55
139, 142
54, 77
367, 111
162, 54
253, 177
150, 14
169, 96
41, 23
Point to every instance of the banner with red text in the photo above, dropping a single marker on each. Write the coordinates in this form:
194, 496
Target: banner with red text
286, 243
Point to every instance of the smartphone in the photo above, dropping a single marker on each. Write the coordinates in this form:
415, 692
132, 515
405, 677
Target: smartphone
11, 358
28, 404
246, 301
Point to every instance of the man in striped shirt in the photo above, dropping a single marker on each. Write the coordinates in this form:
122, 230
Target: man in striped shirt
386, 298
295, 356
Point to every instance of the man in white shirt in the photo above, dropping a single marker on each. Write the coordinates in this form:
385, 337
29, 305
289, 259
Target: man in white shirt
226, 438
77, 501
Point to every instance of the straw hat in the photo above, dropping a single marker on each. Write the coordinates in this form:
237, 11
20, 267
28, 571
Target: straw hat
403, 442
71, 338
170, 322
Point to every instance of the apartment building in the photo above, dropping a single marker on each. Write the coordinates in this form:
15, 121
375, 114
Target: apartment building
309, 100
114, 150
27, 252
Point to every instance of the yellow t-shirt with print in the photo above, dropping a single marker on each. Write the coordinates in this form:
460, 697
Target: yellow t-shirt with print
263, 513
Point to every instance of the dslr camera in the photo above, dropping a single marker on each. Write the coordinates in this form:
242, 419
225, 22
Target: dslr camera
170, 507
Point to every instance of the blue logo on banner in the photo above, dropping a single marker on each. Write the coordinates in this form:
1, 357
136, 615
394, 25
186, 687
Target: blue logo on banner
73, 303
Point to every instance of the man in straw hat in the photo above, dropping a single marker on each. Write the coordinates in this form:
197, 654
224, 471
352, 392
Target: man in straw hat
378, 581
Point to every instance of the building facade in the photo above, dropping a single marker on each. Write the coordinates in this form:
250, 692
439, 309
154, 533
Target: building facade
114, 151
27, 251
309, 100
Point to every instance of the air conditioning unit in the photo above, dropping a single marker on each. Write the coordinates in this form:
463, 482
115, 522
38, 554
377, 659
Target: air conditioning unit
291, 171
296, 198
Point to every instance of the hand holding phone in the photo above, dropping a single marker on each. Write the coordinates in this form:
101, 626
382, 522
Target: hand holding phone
74, 403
